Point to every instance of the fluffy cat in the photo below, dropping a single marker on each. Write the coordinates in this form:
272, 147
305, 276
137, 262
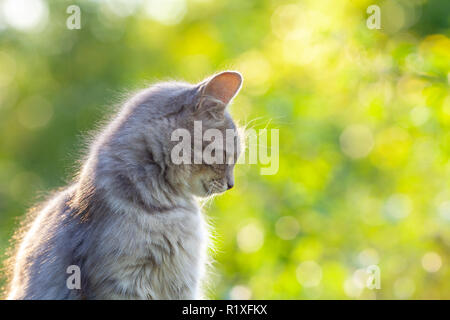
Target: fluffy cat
130, 221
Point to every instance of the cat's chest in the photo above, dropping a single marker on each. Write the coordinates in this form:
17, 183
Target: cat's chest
164, 257
168, 234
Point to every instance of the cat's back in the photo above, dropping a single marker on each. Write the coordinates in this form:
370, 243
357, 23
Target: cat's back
44, 252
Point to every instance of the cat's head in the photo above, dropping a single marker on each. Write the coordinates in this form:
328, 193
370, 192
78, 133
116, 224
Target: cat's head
201, 141
221, 143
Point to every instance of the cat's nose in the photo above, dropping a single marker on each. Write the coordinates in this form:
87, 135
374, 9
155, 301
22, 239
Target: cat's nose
230, 185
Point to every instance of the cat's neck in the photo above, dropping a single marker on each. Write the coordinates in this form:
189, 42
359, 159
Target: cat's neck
107, 180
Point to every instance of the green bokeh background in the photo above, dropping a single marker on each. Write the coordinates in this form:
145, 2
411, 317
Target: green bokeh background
363, 118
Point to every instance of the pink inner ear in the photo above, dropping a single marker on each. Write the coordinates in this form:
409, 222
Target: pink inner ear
224, 86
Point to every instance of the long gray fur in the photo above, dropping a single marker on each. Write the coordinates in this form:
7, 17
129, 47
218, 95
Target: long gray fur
130, 221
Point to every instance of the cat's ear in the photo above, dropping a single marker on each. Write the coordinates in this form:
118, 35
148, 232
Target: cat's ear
217, 92
223, 86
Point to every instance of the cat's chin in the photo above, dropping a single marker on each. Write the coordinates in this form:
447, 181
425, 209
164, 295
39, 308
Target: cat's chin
207, 194
202, 195
201, 190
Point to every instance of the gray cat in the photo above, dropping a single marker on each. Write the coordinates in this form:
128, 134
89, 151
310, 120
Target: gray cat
130, 221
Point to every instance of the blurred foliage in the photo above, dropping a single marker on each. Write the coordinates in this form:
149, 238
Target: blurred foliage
364, 118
